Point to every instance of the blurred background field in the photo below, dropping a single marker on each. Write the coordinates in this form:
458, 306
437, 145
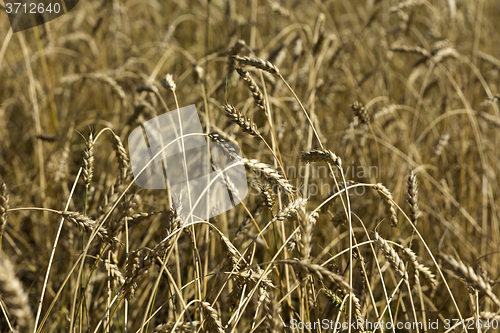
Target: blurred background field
426, 77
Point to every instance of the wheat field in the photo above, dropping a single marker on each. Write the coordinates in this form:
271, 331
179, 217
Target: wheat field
369, 131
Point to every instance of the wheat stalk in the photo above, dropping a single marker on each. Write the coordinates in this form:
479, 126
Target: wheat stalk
489, 58
226, 147
140, 261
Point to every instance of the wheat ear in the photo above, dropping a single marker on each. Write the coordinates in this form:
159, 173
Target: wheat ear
384, 193
121, 153
87, 224
415, 269
254, 88
467, 273
321, 156
243, 122
168, 83
413, 197
443, 142
258, 63
321, 272
14, 297
390, 254
405, 4
273, 322
267, 194
180, 327
212, 320
4, 207
268, 172
490, 119
237, 46
88, 160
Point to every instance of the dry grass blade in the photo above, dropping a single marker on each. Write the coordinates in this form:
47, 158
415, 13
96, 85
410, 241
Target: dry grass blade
12, 294
148, 88
388, 110
489, 58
